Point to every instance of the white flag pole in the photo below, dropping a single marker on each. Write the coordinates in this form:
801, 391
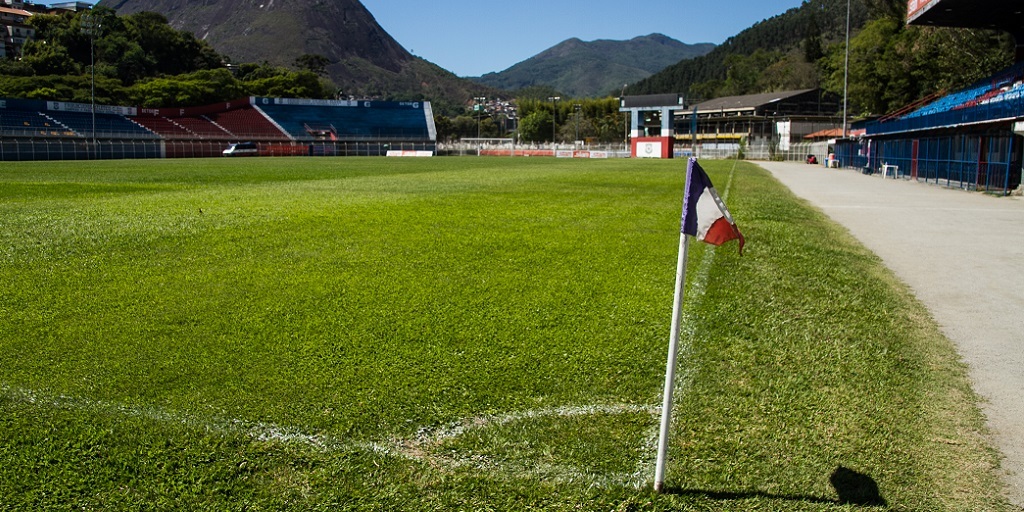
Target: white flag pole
670, 367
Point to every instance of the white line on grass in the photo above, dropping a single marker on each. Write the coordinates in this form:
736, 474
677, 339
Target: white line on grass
258, 431
420, 447
427, 439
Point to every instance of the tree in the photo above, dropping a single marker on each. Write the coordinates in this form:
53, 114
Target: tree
313, 63
892, 9
812, 49
464, 127
789, 73
290, 84
199, 88
171, 52
445, 128
127, 49
49, 59
892, 65
744, 74
719, 72
536, 127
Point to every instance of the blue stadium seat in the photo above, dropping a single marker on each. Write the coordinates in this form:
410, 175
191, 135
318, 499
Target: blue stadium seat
380, 121
27, 123
107, 125
995, 88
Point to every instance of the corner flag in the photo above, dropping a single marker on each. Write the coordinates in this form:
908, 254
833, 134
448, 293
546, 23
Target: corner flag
705, 216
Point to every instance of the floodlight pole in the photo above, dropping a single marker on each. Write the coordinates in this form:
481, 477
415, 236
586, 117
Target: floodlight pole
480, 102
92, 27
554, 120
846, 69
576, 109
622, 103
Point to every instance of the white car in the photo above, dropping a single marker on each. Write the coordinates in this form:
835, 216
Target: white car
242, 149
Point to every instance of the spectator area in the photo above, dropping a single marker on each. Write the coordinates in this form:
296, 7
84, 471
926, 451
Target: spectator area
106, 125
165, 127
246, 123
256, 119
184, 128
350, 120
1007, 84
30, 124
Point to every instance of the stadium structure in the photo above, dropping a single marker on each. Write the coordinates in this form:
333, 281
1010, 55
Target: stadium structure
769, 125
969, 139
765, 125
53, 130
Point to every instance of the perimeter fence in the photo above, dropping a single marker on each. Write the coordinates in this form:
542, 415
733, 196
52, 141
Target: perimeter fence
47, 149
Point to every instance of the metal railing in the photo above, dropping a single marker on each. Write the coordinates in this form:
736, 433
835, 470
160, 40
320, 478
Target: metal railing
1010, 108
48, 148
966, 161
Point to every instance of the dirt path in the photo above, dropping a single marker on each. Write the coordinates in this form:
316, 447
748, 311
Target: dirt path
962, 253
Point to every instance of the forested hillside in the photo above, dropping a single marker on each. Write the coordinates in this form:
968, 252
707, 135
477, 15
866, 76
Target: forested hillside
779, 53
891, 64
141, 60
354, 52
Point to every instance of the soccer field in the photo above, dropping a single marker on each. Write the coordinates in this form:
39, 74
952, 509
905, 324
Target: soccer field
456, 333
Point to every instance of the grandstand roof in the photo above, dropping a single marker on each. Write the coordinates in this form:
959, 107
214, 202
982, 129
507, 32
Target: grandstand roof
800, 102
994, 14
748, 101
833, 133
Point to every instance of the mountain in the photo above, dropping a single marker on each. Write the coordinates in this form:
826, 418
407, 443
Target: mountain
596, 68
364, 58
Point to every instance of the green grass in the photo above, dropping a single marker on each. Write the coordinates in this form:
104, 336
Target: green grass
456, 334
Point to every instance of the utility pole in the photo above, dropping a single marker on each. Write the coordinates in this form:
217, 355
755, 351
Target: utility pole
93, 28
622, 103
481, 101
576, 108
554, 118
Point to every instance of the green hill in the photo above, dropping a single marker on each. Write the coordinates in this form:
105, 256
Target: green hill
596, 68
362, 58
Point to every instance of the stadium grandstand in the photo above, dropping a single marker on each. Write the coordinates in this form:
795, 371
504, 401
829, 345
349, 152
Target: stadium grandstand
770, 125
968, 139
52, 130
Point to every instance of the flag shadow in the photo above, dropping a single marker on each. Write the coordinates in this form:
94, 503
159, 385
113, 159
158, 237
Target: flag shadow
852, 488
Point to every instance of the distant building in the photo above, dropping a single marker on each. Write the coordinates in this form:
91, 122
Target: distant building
14, 28
71, 6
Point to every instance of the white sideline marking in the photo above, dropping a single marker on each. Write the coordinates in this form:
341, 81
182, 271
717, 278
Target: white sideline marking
429, 438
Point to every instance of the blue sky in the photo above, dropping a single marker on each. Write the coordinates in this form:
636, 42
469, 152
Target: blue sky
473, 37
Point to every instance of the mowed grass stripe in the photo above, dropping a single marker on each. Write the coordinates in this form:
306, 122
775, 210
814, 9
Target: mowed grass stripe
366, 300
395, 285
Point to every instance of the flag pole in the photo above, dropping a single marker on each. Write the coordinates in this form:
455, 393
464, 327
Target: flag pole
670, 367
